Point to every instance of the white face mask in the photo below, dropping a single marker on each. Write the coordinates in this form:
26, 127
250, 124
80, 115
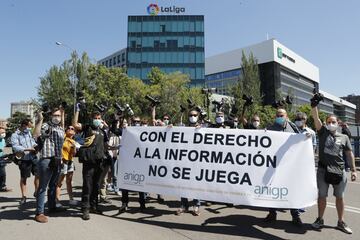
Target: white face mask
219, 120
166, 122
145, 125
299, 123
193, 119
56, 120
137, 124
332, 127
256, 124
3, 135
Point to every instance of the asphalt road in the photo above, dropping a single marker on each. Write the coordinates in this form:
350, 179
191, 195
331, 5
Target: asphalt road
159, 222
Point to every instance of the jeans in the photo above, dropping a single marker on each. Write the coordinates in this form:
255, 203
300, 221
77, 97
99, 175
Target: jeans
185, 203
295, 213
114, 173
91, 182
2, 176
125, 197
48, 178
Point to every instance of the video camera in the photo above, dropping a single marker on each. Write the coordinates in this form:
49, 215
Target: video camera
154, 101
190, 103
283, 102
316, 99
218, 105
208, 90
81, 100
248, 100
182, 109
101, 107
122, 110
202, 112
9, 158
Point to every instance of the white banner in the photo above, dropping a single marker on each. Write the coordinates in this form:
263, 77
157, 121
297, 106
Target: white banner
247, 167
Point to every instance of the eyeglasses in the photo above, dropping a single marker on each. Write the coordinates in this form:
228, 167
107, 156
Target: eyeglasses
280, 115
70, 128
165, 118
192, 115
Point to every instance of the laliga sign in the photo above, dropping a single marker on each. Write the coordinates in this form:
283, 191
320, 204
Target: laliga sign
153, 9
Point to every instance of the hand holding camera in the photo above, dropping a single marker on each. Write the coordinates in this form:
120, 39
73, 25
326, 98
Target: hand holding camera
248, 100
316, 99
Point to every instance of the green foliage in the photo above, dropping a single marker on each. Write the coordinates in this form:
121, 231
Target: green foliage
248, 83
14, 122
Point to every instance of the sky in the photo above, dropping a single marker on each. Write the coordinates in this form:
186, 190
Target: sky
325, 32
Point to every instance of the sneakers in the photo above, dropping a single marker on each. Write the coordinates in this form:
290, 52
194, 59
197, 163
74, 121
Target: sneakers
22, 201
271, 217
318, 224
41, 218
160, 199
297, 221
86, 215
110, 187
118, 193
196, 211
123, 208
5, 189
343, 227
181, 211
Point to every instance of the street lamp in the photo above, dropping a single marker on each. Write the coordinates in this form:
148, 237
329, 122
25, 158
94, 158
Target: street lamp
74, 69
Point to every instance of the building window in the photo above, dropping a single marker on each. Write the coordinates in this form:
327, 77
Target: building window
118, 59
110, 62
162, 28
123, 57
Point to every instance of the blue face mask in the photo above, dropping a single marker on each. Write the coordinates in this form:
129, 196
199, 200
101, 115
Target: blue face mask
96, 122
280, 121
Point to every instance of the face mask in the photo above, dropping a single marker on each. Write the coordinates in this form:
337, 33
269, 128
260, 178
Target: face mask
137, 124
3, 135
256, 124
145, 125
97, 122
56, 120
193, 119
299, 123
26, 130
332, 127
280, 121
166, 122
219, 120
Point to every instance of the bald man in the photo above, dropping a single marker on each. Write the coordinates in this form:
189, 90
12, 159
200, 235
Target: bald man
283, 124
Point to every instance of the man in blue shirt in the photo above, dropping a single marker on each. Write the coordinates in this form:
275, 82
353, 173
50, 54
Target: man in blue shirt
23, 143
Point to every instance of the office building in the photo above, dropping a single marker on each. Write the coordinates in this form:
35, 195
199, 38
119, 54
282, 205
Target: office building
282, 72
354, 99
25, 107
170, 42
117, 59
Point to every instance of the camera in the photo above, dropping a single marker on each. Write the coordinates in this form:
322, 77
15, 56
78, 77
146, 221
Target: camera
128, 109
100, 107
119, 108
248, 100
81, 100
182, 109
45, 108
283, 102
208, 90
316, 99
218, 105
202, 112
154, 101
190, 103
63, 105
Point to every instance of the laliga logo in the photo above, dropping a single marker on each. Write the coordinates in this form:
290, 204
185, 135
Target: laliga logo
153, 9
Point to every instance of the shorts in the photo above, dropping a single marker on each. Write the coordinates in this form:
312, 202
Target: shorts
323, 186
28, 167
67, 167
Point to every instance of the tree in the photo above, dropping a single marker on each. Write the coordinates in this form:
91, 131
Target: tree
249, 84
15, 121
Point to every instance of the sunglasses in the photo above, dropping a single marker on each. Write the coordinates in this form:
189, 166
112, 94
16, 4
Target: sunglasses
192, 115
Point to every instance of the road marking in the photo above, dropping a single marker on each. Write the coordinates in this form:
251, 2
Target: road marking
358, 183
347, 208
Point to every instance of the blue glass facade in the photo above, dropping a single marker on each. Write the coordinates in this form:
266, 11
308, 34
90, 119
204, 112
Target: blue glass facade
172, 43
